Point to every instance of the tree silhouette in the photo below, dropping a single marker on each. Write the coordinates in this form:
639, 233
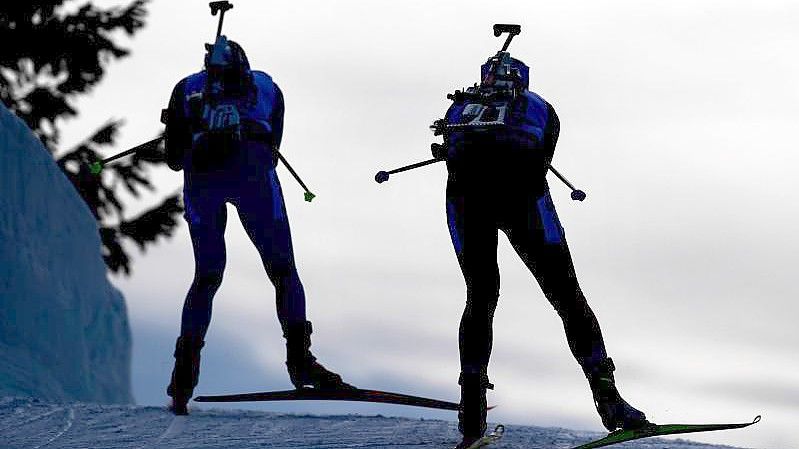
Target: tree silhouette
50, 56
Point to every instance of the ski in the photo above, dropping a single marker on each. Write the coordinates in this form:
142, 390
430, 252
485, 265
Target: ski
653, 430
488, 439
349, 394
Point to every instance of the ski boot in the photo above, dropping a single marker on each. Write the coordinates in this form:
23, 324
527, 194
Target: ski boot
472, 412
303, 368
615, 412
186, 373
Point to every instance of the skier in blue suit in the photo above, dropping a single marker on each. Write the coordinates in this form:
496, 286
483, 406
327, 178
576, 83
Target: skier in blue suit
496, 181
224, 127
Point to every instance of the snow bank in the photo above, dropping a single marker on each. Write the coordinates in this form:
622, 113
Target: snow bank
64, 331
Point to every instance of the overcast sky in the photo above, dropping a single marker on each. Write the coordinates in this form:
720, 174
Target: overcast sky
677, 118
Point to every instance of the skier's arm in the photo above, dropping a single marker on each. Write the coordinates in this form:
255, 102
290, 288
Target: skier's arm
545, 147
455, 139
177, 136
551, 133
276, 120
540, 135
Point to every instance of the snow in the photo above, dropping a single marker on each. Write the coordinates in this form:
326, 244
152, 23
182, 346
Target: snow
64, 332
31, 424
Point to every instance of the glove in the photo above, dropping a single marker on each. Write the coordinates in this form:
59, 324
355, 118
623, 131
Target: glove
275, 152
439, 151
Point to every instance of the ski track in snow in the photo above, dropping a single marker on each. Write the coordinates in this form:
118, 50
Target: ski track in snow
30, 424
29, 420
67, 426
175, 427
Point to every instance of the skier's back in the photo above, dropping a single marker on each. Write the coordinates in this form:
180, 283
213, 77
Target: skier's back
500, 138
224, 126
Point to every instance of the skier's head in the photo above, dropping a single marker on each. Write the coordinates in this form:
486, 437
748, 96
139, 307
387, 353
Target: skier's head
226, 62
505, 71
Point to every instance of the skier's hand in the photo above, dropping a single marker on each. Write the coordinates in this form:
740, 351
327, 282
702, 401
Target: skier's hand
439, 151
275, 159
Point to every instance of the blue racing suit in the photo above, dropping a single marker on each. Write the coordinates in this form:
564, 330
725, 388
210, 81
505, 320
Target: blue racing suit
496, 181
241, 173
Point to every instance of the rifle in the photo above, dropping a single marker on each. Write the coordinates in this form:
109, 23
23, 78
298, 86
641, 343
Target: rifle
97, 166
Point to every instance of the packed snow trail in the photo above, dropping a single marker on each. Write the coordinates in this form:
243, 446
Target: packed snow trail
28, 423
64, 429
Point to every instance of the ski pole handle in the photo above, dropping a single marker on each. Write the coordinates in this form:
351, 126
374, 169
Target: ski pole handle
308, 195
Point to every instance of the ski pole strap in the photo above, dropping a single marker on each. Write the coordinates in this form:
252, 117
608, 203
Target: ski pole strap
308, 195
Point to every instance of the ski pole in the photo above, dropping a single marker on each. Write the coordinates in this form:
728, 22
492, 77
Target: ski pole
220, 6
577, 194
382, 176
308, 195
97, 167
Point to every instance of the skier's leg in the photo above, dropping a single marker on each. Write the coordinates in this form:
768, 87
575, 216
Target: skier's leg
474, 237
207, 229
538, 238
185, 374
206, 216
263, 214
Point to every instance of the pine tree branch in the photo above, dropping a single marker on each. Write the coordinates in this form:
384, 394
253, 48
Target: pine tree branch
114, 255
158, 221
55, 57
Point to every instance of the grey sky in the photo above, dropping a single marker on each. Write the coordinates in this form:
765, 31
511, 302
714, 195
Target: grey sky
677, 118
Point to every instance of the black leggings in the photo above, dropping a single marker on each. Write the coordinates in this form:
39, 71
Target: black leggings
533, 228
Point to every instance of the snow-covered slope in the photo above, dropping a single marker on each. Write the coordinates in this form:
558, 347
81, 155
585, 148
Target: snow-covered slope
64, 331
29, 424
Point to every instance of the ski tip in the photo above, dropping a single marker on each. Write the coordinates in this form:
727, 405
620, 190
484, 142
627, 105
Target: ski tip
756, 420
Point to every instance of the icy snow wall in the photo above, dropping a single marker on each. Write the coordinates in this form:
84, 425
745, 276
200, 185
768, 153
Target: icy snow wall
64, 331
